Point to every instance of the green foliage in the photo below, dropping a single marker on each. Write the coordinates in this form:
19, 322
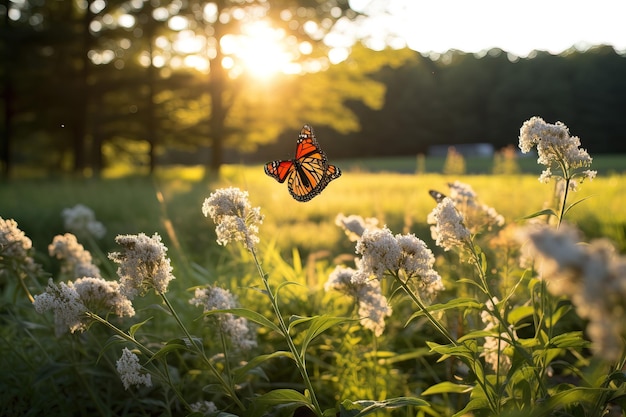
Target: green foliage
313, 355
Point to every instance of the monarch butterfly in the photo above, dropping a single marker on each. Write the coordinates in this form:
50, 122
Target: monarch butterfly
308, 173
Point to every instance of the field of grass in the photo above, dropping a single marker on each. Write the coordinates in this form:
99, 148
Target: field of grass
75, 374
132, 205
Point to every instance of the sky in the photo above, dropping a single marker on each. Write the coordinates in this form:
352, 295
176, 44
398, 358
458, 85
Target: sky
516, 26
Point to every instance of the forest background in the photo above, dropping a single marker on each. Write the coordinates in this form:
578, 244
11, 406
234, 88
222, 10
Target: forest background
88, 84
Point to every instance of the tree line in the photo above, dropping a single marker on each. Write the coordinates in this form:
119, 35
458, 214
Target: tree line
87, 84
463, 98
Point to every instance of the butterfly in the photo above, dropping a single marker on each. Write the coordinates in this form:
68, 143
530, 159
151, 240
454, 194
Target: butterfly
309, 172
437, 195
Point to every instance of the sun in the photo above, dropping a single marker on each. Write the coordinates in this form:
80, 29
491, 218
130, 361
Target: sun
260, 51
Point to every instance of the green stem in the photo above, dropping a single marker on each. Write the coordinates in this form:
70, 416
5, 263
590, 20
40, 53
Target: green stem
505, 325
564, 202
230, 390
145, 350
423, 309
299, 359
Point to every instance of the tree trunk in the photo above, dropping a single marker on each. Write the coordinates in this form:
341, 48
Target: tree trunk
217, 119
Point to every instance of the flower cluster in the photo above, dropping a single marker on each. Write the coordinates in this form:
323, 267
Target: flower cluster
70, 301
15, 246
373, 306
129, 369
382, 252
77, 261
593, 276
355, 225
477, 216
555, 148
235, 218
81, 221
448, 226
235, 328
143, 264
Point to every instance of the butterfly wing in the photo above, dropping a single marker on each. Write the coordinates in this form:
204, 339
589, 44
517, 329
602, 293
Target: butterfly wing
279, 170
437, 195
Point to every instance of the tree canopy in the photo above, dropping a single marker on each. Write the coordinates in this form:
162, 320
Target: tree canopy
87, 83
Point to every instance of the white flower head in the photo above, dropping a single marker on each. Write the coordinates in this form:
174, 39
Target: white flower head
203, 407
555, 147
592, 276
143, 264
417, 261
72, 300
81, 221
380, 252
100, 295
237, 329
15, 248
373, 307
447, 225
64, 301
355, 225
235, 219
77, 261
129, 369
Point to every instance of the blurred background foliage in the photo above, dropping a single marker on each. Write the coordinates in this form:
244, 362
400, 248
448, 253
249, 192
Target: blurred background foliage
86, 84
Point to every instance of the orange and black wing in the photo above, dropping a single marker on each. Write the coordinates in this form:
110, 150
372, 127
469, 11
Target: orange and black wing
279, 170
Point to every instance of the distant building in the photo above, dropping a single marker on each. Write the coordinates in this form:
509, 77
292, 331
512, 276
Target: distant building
465, 149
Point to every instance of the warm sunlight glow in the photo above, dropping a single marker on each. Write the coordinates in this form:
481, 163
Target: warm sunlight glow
260, 51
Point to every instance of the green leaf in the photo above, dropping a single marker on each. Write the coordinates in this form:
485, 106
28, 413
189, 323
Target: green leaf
447, 387
545, 212
240, 373
569, 340
135, 327
519, 313
476, 334
248, 314
366, 407
473, 404
460, 303
283, 396
170, 346
575, 203
295, 320
318, 325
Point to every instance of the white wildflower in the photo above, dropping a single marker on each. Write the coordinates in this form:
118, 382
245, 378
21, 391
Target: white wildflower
129, 369
417, 262
355, 225
373, 307
100, 295
143, 264
591, 275
77, 261
15, 246
234, 217
64, 301
203, 407
237, 329
81, 221
447, 225
555, 148
380, 252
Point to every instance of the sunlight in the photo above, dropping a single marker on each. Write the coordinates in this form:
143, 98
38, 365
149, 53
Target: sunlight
261, 50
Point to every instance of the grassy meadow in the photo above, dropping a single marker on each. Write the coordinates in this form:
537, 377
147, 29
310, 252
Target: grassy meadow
75, 374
